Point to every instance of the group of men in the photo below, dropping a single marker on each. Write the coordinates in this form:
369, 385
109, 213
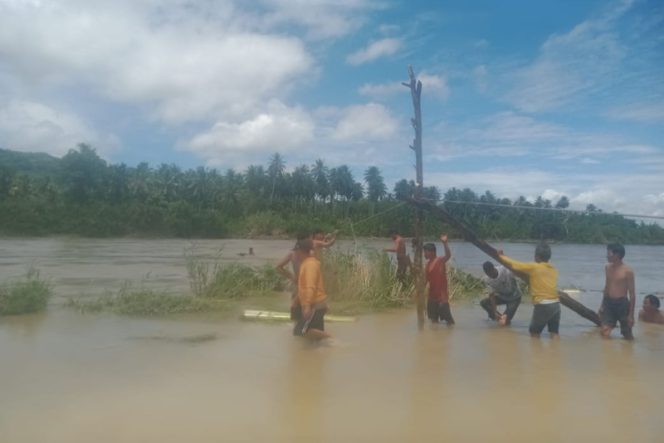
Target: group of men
617, 307
309, 300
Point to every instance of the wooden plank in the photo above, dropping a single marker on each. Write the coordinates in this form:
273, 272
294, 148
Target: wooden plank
255, 314
565, 299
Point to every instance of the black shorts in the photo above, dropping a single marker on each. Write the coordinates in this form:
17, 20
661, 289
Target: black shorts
315, 321
545, 315
615, 310
296, 312
437, 311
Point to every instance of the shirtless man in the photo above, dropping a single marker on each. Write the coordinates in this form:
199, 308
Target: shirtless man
399, 248
616, 307
322, 240
650, 312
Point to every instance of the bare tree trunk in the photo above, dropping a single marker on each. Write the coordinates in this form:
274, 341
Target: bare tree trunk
485, 247
416, 93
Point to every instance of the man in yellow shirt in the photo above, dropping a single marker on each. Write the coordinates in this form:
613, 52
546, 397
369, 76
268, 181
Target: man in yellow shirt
543, 282
310, 293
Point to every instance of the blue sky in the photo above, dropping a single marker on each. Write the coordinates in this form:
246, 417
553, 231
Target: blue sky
520, 97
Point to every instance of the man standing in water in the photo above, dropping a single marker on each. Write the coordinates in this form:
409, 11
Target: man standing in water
438, 301
616, 307
543, 282
310, 293
399, 248
281, 267
503, 290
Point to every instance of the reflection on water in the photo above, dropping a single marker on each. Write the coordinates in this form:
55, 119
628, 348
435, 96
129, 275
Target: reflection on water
81, 378
71, 378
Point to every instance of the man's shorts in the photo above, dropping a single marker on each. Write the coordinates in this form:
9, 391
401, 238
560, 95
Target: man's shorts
615, 310
315, 321
545, 315
437, 311
295, 312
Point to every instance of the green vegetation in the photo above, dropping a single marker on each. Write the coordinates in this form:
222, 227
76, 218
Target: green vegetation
355, 283
26, 296
80, 194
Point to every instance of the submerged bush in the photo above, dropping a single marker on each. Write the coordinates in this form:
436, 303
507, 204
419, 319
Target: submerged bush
369, 281
217, 279
26, 296
144, 302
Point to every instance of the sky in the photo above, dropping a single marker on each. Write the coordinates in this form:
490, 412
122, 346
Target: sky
519, 97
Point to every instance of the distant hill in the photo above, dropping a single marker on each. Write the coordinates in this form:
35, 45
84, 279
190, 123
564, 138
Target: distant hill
36, 164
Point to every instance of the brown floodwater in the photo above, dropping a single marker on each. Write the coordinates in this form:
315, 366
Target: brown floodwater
66, 377
69, 377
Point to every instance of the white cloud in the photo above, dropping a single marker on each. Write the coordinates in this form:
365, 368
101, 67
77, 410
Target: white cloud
365, 122
382, 90
321, 18
35, 127
607, 192
177, 62
568, 66
643, 112
375, 50
279, 128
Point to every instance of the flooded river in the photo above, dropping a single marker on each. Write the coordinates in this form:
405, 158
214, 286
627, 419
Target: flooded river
68, 377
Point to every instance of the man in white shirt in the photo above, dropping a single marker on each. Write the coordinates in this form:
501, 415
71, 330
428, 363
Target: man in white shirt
503, 290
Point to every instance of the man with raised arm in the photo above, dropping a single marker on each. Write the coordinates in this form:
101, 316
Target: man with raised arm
438, 301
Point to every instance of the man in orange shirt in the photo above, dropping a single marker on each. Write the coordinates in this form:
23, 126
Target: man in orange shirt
310, 293
438, 302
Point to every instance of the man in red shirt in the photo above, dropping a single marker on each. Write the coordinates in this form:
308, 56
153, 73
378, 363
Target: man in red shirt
438, 302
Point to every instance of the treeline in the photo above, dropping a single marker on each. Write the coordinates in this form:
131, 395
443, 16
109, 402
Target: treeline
80, 194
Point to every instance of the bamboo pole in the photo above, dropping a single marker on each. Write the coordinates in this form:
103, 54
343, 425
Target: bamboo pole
416, 93
485, 247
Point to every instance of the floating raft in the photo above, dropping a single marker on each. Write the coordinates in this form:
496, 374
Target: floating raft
252, 314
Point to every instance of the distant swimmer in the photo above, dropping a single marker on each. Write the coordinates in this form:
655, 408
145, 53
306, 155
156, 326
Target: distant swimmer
438, 301
310, 293
503, 290
650, 312
543, 283
616, 307
403, 261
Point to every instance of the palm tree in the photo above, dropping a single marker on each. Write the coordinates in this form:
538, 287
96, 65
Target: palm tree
275, 171
320, 173
376, 189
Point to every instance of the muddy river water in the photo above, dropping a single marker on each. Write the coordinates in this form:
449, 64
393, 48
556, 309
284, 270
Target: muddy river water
70, 377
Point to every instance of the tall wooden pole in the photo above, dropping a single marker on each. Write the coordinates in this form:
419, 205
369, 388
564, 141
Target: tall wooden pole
416, 92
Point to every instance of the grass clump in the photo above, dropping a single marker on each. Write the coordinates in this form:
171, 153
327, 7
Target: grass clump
145, 302
26, 296
364, 282
231, 281
357, 282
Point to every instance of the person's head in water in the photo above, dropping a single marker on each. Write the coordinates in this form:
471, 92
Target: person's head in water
489, 269
303, 248
615, 252
650, 303
542, 253
429, 251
